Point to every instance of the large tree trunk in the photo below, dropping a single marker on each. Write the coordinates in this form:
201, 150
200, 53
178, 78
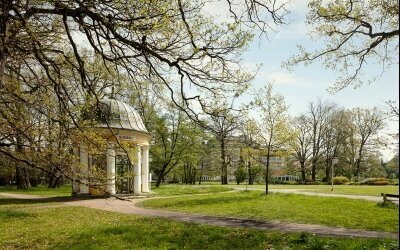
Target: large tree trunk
158, 183
328, 166
22, 177
303, 171
161, 176
224, 164
327, 173
55, 181
22, 174
313, 168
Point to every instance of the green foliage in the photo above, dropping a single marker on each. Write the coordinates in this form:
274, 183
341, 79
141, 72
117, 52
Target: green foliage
375, 181
354, 33
392, 167
340, 180
176, 139
240, 174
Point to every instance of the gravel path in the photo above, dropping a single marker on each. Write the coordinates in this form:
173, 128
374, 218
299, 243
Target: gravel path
307, 192
129, 206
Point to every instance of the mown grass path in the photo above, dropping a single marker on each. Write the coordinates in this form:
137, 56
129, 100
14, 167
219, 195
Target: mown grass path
129, 206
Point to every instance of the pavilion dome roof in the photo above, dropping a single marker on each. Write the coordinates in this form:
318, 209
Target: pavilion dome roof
117, 114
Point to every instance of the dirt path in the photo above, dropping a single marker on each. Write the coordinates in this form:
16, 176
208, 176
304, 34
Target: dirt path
130, 207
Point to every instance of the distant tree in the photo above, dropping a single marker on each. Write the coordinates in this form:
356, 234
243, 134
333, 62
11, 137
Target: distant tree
392, 167
223, 123
273, 126
210, 164
355, 33
174, 136
250, 151
189, 173
367, 124
240, 174
391, 111
319, 115
301, 145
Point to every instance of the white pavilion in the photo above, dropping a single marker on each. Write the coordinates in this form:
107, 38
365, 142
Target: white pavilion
125, 160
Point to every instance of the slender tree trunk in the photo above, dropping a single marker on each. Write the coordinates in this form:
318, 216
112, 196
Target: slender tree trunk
224, 167
251, 176
357, 170
267, 172
328, 168
159, 180
327, 173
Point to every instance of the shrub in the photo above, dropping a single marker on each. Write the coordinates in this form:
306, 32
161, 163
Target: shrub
375, 181
340, 180
240, 175
387, 204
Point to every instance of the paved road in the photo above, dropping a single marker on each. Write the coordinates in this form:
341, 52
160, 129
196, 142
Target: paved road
129, 207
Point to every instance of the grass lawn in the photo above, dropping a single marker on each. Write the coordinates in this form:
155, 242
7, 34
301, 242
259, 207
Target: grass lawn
163, 190
84, 228
181, 189
287, 207
337, 189
64, 190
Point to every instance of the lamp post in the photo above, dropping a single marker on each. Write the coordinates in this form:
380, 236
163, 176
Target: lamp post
334, 162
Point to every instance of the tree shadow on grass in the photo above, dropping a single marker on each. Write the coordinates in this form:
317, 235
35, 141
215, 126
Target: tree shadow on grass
204, 201
162, 234
56, 199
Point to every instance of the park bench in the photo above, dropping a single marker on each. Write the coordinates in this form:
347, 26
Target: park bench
385, 196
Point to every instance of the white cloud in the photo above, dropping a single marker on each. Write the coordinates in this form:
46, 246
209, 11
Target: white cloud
282, 78
219, 10
295, 30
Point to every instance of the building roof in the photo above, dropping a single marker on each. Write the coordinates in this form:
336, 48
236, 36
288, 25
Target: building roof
117, 114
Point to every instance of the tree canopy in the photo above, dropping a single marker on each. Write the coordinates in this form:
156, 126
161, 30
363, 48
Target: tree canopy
355, 33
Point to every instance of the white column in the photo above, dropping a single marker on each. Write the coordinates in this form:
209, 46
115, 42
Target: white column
84, 171
110, 169
149, 183
137, 171
145, 169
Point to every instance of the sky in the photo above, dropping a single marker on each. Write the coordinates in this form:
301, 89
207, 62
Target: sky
305, 84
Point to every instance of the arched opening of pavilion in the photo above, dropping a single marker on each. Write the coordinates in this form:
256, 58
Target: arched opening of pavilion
122, 165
